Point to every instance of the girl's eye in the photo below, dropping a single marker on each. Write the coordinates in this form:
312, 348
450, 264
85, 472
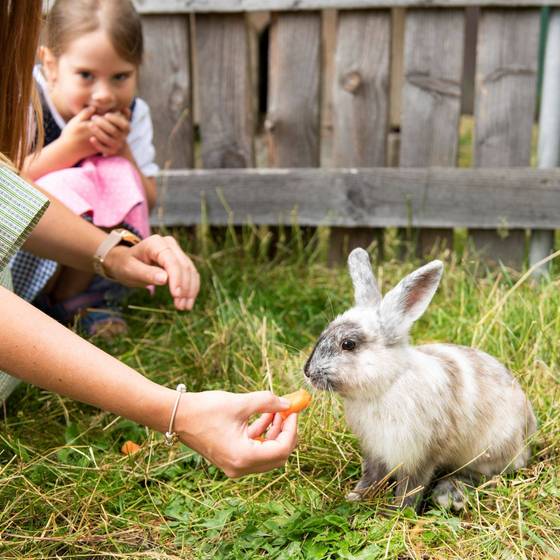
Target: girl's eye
120, 77
348, 344
85, 75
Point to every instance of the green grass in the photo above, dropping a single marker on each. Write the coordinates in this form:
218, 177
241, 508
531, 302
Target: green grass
67, 492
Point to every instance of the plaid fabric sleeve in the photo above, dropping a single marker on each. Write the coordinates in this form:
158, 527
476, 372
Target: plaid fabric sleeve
21, 207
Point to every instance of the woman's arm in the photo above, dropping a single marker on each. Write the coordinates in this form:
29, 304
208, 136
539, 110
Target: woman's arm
64, 237
68, 239
37, 349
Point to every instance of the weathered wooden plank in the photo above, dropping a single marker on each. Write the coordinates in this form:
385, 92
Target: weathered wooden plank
377, 197
431, 97
360, 106
506, 75
207, 6
542, 242
469, 60
224, 91
361, 89
329, 25
432, 89
397, 63
166, 85
292, 121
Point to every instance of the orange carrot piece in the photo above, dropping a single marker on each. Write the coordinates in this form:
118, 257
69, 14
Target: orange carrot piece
299, 400
129, 448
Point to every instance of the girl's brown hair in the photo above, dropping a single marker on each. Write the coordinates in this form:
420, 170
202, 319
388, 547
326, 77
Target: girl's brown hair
70, 19
20, 24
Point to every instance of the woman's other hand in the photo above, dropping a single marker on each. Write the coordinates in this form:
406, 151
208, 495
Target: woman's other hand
156, 260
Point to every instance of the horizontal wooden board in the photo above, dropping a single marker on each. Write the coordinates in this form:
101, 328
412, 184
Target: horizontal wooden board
188, 6
373, 197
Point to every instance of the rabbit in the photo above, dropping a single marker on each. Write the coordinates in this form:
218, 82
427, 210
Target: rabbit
418, 411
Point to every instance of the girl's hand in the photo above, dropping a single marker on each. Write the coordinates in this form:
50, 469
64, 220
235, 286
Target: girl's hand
110, 132
156, 260
216, 425
77, 135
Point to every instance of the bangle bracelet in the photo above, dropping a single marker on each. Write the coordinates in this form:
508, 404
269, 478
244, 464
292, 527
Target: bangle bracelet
170, 436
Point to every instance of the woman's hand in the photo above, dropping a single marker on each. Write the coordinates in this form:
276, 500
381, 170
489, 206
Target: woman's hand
110, 132
216, 425
156, 260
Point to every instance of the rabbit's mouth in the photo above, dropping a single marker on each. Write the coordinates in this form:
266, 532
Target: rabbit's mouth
321, 380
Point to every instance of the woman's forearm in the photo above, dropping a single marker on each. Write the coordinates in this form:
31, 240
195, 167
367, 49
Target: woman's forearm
64, 237
37, 349
68, 239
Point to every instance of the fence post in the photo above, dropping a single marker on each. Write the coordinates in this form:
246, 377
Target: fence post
506, 76
166, 84
360, 109
542, 241
431, 98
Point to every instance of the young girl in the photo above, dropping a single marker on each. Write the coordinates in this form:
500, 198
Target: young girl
98, 157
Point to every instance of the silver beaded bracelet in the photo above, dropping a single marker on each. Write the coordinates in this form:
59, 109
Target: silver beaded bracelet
170, 436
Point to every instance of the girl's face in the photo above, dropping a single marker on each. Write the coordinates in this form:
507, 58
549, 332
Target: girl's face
89, 73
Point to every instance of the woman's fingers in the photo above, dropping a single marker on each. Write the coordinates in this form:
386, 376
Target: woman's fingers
215, 424
259, 426
156, 260
263, 401
270, 453
280, 446
275, 427
184, 280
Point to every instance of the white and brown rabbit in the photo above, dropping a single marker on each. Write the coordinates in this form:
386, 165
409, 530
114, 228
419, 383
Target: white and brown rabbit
418, 410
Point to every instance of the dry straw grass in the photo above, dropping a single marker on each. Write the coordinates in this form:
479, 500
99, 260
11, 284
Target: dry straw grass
66, 492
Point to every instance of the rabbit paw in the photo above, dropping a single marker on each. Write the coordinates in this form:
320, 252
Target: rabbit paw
354, 496
449, 495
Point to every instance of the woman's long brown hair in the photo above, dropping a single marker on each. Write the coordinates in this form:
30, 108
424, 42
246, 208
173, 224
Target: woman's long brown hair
20, 24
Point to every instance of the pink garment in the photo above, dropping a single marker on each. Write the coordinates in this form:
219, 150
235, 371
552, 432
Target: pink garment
108, 189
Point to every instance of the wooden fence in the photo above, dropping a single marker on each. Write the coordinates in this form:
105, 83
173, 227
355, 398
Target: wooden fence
204, 50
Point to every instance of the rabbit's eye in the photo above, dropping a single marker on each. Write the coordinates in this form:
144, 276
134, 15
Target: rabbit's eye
348, 344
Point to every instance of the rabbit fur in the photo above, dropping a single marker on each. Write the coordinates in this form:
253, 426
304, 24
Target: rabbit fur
418, 410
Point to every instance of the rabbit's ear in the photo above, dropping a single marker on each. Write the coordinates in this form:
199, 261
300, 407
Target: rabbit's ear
366, 291
409, 299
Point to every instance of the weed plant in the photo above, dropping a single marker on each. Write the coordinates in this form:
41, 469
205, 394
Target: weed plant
67, 492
